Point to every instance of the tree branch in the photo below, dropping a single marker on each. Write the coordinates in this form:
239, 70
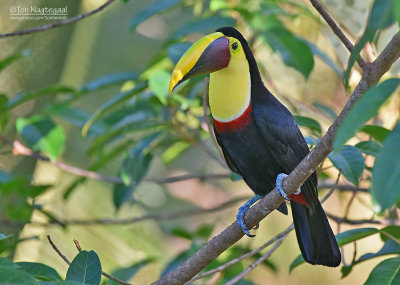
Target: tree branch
337, 31
57, 24
307, 166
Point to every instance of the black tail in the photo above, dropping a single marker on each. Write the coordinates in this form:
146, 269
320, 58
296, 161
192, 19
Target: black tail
314, 235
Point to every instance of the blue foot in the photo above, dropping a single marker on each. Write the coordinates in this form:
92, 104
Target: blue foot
242, 210
279, 187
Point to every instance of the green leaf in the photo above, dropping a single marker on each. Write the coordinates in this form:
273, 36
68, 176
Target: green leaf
6, 242
392, 230
121, 194
369, 147
324, 57
76, 117
378, 133
397, 11
182, 232
342, 239
151, 10
294, 52
25, 96
5, 262
40, 271
354, 235
18, 210
381, 16
175, 51
296, 262
159, 84
386, 172
127, 273
3, 112
10, 59
350, 161
5, 177
385, 273
364, 109
62, 283
108, 80
181, 258
309, 123
85, 268
346, 270
203, 25
173, 152
234, 176
311, 141
134, 168
204, 231
325, 109
42, 134
9, 275
119, 99
390, 247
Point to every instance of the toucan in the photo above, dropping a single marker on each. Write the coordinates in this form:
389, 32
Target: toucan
259, 137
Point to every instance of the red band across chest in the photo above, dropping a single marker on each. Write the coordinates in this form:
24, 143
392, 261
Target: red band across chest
236, 124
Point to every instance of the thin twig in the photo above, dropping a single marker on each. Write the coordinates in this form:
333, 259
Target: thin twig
57, 24
343, 187
184, 177
132, 220
58, 252
105, 274
21, 149
244, 256
344, 220
78, 246
338, 32
332, 188
346, 212
256, 263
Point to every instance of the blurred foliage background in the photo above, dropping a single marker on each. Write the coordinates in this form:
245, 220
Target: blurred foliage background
93, 96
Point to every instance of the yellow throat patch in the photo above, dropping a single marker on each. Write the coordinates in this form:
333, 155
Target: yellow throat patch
230, 87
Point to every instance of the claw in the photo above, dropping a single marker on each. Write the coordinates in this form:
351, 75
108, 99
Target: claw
279, 187
240, 215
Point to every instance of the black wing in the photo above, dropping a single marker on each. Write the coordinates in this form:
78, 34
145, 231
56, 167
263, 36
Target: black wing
284, 140
228, 159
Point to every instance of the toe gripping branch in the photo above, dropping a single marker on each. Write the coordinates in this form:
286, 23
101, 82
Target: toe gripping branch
240, 215
279, 187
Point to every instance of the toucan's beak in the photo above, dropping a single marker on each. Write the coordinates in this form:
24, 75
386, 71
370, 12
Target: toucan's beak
209, 54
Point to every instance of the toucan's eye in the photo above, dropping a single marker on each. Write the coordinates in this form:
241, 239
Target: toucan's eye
235, 46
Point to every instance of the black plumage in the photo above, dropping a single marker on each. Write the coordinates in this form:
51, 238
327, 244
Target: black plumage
271, 143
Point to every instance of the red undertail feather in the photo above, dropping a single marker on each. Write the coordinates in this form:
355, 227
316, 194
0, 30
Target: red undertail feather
299, 199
